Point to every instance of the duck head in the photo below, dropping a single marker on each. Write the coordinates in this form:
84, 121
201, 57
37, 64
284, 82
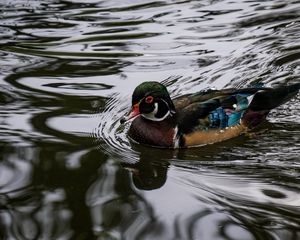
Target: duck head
151, 101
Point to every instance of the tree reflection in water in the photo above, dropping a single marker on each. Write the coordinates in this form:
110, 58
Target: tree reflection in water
42, 197
66, 192
44, 188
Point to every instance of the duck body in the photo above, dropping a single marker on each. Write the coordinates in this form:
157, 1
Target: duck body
201, 118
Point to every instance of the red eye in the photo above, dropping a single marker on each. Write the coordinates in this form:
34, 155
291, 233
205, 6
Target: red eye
149, 99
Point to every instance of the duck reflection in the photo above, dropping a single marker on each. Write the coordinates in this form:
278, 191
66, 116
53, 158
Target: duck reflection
148, 174
118, 210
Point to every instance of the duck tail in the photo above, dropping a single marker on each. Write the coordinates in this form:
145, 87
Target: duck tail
265, 100
272, 98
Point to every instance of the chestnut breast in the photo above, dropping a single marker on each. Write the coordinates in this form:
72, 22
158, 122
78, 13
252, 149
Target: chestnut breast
160, 134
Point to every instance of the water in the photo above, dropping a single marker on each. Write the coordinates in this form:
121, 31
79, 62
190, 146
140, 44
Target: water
67, 169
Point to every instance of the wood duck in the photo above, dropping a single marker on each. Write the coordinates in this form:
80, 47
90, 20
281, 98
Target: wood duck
201, 118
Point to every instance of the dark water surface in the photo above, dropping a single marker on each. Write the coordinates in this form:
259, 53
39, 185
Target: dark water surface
67, 169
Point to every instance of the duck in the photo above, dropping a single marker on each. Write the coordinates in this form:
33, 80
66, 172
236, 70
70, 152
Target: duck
200, 118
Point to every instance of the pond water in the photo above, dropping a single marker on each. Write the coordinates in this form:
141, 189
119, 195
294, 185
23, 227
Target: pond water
67, 168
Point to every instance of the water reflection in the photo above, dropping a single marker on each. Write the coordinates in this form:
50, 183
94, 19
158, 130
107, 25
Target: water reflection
150, 171
117, 211
60, 178
44, 202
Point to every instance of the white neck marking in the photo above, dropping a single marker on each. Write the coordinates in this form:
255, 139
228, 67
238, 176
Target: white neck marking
151, 116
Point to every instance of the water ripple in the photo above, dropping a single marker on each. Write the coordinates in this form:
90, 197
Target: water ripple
113, 133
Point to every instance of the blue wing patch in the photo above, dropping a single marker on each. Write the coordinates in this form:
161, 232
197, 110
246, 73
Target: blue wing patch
218, 118
229, 116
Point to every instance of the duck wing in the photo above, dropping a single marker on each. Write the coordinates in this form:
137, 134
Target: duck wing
212, 109
185, 100
225, 108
